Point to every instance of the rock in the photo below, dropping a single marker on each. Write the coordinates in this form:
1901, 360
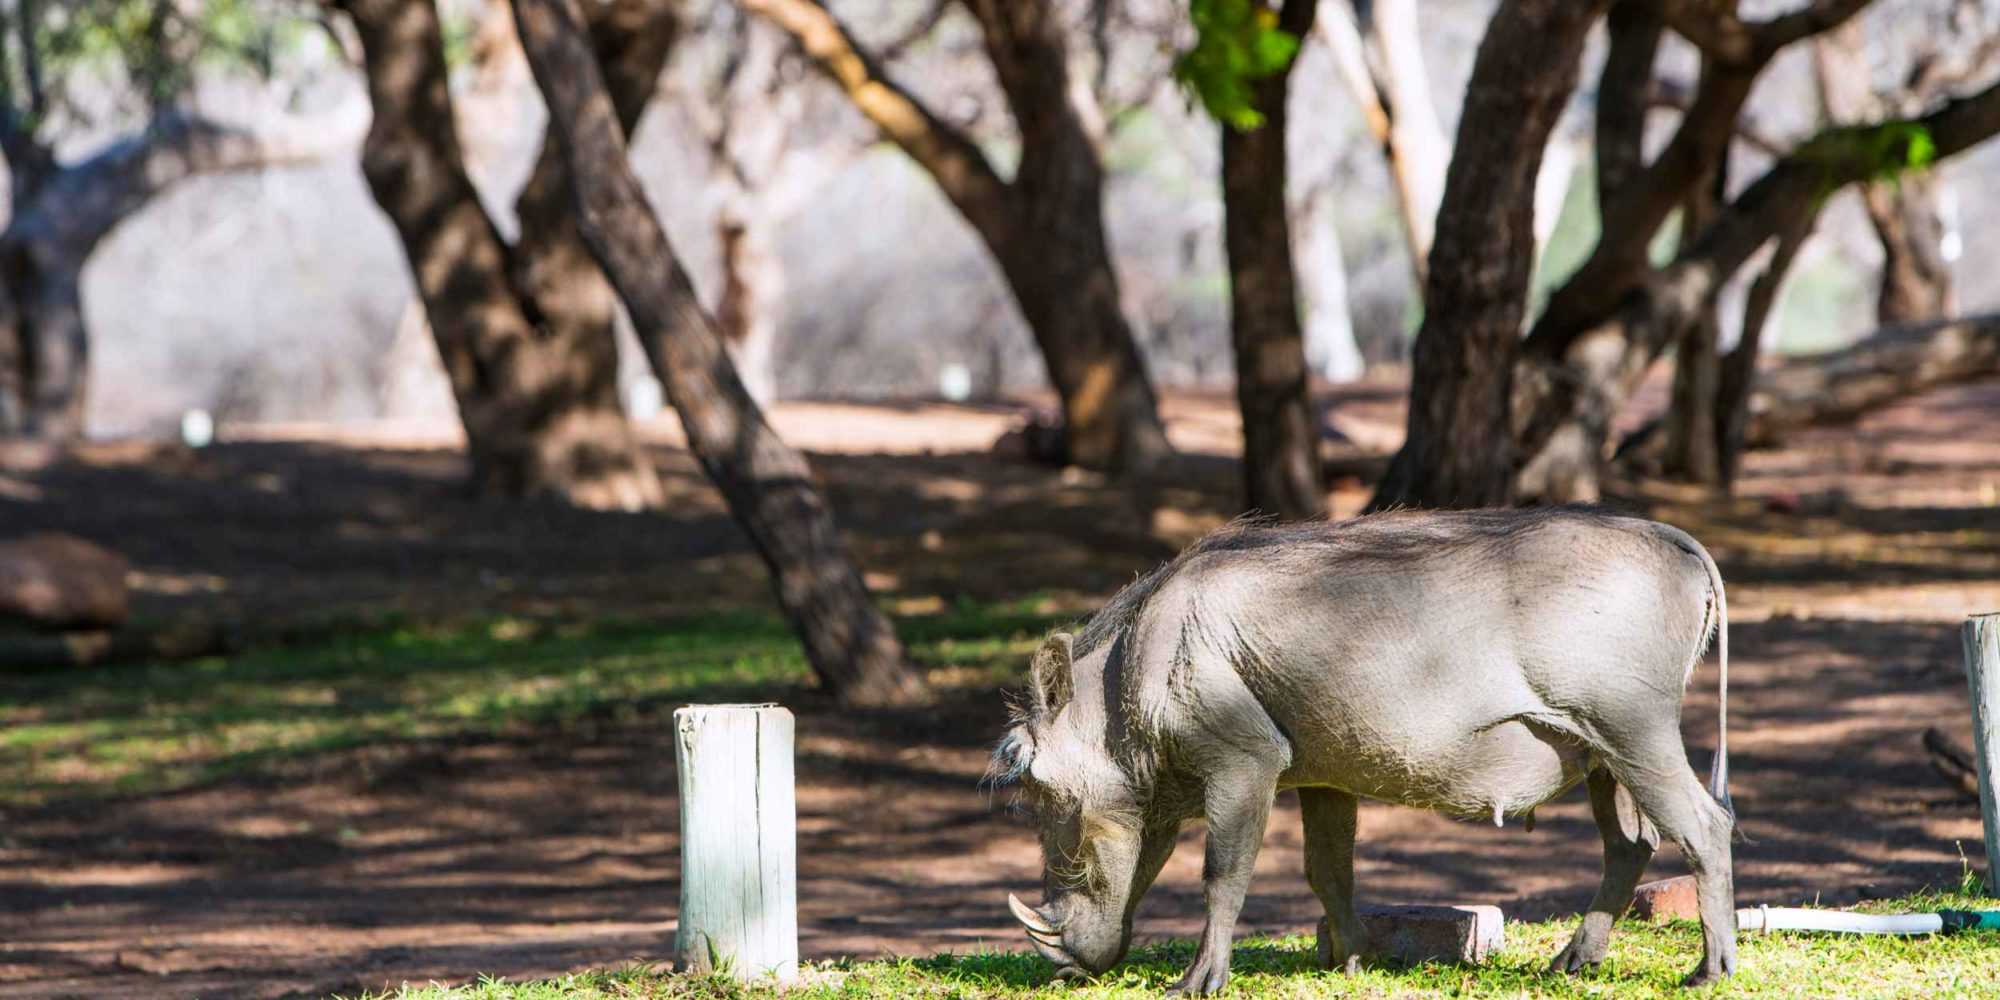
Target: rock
1038, 438
53, 581
1667, 899
1413, 934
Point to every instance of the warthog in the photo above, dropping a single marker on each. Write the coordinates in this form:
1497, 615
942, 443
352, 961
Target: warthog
1477, 663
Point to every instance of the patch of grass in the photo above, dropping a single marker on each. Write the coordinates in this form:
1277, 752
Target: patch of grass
1645, 961
155, 727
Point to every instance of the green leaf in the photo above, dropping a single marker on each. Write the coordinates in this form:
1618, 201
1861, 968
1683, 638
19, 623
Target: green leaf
1237, 42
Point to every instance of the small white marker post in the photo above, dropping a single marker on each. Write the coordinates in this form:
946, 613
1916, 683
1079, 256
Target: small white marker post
1982, 672
739, 842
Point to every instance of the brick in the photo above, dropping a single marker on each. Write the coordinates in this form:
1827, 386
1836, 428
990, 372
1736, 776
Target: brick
1412, 934
1667, 899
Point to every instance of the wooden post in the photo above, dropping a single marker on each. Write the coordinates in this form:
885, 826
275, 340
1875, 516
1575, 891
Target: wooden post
1982, 672
739, 842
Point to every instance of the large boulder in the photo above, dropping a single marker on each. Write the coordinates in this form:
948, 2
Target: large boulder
55, 581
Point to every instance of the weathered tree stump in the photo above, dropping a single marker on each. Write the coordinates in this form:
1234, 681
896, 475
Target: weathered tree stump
739, 842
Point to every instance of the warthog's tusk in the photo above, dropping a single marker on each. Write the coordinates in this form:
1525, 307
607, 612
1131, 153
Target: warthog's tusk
1027, 916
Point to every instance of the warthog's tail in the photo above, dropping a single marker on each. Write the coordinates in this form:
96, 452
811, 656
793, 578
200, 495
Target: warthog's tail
1718, 771
1718, 605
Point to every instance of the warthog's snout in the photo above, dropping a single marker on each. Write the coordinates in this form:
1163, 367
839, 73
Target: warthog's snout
1046, 935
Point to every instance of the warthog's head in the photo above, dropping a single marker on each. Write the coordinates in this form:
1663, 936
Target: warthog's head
1098, 853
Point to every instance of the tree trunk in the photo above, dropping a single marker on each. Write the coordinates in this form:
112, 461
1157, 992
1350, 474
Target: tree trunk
768, 486
579, 308
1054, 253
747, 312
45, 283
1693, 443
525, 336
1732, 400
1460, 451
1916, 281
1280, 434
1045, 227
1377, 49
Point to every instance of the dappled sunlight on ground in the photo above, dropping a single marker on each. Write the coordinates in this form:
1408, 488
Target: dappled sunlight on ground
316, 821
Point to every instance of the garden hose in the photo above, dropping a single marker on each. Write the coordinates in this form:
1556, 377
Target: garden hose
1778, 918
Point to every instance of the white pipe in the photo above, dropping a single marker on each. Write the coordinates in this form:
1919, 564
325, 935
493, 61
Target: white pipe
1777, 918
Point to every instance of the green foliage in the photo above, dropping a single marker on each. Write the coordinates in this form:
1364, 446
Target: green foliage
1869, 152
1238, 42
151, 49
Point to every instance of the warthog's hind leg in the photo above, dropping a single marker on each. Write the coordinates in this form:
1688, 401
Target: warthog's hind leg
1673, 798
1329, 817
1629, 842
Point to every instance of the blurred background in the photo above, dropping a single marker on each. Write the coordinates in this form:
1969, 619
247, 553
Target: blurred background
406, 404
280, 294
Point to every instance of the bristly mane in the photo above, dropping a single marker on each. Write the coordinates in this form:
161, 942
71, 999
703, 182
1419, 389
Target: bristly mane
1390, 534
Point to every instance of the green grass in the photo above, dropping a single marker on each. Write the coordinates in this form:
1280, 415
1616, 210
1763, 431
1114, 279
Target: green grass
156, 727
1645, 961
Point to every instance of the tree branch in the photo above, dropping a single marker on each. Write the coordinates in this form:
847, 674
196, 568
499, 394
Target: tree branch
31, 61
81, 204
1782, 200
1714, 27
953, 160
1675, 95
920, 29
1624, 89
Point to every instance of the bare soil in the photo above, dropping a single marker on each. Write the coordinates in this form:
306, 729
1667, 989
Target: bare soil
1852, 555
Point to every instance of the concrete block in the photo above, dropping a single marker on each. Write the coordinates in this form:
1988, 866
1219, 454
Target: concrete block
1413, 934
1667, 899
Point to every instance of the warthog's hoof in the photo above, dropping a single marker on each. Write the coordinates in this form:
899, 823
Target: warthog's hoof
1206, 976
1574, 959
1332, 957
1711, 972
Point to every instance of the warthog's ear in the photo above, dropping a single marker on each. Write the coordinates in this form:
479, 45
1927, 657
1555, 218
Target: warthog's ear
1051, 670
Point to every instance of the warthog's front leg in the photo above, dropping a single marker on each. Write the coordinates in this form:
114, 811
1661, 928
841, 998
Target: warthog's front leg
1237, 803
1629, 842
1329, 816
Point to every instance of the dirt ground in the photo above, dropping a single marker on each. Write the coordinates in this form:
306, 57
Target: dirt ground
1851, 555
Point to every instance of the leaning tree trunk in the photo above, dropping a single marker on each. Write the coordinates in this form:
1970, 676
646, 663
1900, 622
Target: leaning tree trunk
1460, 448
1045, 226
1280, 435
534, 380
768, 486
578, 307
1053, 249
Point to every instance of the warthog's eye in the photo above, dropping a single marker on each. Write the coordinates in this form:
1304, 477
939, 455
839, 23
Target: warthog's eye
1011, 759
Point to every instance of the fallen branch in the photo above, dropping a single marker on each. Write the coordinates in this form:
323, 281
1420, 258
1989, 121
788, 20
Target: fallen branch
1891, 365
1953, 762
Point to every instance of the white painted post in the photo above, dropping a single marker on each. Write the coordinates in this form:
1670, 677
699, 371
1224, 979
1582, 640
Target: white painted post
739, 842
1982, 672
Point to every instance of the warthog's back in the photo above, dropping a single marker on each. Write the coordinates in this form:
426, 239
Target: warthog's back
1465, 661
